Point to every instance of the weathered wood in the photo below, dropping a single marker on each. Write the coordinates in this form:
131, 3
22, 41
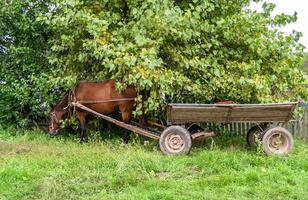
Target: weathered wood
156, 124
119, 123
298, 127
231, 105
225, 113
202, 135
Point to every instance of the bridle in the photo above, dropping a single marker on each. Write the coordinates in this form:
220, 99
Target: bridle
72, 100
54, 118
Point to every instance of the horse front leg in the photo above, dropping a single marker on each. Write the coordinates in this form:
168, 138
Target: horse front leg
83, 132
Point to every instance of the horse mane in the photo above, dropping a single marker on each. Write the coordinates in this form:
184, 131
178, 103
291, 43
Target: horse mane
62, 102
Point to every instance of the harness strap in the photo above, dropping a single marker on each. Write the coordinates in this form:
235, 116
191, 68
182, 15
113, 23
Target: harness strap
53, 118
72, 100
105, 101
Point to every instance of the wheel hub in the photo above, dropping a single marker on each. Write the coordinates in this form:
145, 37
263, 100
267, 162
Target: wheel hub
175, 142
277, 142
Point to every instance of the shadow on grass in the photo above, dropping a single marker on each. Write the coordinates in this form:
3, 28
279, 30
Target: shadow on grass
225, 142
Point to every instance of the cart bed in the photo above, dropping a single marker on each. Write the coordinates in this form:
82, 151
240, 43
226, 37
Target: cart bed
225, 113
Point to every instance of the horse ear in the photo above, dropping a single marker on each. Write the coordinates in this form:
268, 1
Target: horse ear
50, 106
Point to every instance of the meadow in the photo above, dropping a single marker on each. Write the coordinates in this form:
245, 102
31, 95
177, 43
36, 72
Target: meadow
34, 165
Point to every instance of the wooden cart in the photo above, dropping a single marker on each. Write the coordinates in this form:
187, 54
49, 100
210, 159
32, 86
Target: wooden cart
182, 129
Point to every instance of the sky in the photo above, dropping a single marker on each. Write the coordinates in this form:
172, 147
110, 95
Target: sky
289, 7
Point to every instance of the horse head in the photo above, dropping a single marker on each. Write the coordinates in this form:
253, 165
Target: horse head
57, 114
55, 118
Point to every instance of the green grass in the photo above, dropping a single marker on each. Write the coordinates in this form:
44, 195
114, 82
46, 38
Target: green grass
36, 166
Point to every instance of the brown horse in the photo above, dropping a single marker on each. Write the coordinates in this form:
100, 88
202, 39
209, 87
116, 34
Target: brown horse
101, 97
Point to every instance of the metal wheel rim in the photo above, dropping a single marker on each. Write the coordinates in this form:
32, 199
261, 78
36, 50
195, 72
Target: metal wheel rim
278, 143
174, 143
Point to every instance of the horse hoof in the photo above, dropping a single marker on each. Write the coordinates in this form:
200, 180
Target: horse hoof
83, 141
123, 144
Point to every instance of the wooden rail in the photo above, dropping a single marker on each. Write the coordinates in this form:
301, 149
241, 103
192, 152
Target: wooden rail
226, 113
298, 127
119, 123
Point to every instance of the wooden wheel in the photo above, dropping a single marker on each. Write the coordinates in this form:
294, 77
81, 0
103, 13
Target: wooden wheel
175, 140
278, 141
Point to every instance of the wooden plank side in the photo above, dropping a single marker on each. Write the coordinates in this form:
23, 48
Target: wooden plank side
205, 113
199, 109
231, 105
257, 119
223, 114
197, 115
262, 108
284, 114
224, 120
268, 114
234, 107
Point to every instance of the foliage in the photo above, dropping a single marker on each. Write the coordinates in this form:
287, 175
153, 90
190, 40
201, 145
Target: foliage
180, 51
198, 51
23, 62
305, 63
35, 166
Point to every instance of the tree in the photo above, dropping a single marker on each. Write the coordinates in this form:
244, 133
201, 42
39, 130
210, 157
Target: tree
24, 67
180, 51
305, 63
197, 51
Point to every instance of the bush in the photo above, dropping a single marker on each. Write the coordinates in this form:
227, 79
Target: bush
183, 51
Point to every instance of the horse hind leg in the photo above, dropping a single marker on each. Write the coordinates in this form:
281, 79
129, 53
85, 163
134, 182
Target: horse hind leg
143, 123
126, 137
126, 117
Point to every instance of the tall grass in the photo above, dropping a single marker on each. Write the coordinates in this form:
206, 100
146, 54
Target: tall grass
34, 165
